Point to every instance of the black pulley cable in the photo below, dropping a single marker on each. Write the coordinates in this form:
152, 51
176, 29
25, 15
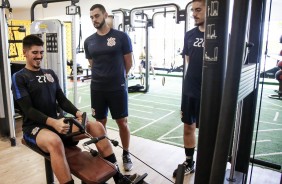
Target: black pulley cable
81, 126
79, 49
259, 111
94, 140
115, 143
164, 48
95, 153
126, 180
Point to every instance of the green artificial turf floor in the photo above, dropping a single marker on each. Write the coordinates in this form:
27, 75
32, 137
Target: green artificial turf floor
155, 115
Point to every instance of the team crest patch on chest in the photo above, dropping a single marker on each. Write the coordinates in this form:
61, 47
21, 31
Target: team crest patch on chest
111, 42
49, 77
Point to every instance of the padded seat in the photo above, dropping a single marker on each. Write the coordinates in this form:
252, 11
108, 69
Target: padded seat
89, 169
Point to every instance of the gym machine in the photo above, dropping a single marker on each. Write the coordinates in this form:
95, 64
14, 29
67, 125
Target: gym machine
165, 8
84, 163
128, 19
121, 22
7, 121
52, 33
229, 116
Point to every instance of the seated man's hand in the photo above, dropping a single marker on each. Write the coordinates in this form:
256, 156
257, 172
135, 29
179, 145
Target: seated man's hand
78, 115
61, 126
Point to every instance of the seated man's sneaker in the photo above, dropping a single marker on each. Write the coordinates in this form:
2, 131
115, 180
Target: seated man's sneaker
128, 179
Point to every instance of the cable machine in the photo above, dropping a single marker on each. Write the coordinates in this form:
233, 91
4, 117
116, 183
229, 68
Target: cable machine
7, 121
122, 15
7, 127
163, 8
215, 55
229, 115
148, 13
165, 13
52, 33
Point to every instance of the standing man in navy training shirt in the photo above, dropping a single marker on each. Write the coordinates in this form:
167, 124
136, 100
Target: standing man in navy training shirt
190, 105
109, 53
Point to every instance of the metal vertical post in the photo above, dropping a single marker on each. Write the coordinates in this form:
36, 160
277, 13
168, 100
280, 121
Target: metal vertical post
231, 91
232, 177
48, 172
147, 81
7, 78
249, 108
214, 61
2, 112
73, 28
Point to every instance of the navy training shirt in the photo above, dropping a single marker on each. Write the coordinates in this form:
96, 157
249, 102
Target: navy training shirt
193, 47
42, 87
107, 53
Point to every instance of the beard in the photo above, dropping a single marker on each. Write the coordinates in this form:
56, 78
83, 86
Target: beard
99, 26
37, 64
199, 23
36, 67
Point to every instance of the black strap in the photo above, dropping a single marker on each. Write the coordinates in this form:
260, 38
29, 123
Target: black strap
262, 87
79, 49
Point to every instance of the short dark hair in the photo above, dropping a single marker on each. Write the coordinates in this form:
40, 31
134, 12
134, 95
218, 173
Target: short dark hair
99, 6
202, 1
31, 40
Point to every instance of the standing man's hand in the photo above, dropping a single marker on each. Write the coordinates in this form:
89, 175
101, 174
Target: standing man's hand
127, 62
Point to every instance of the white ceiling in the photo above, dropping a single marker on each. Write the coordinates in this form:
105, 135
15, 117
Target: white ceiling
26, 4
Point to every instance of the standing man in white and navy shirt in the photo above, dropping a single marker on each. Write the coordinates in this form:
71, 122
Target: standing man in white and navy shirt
109, 53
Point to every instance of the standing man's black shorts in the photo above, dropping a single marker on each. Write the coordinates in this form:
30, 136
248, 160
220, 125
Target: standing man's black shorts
190, 108
116, 101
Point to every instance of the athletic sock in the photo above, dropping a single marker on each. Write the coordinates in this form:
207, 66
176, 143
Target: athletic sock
189, 152
125, 152
112, 158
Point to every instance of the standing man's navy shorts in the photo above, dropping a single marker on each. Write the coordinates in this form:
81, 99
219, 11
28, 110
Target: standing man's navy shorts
190, 108
116, 101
